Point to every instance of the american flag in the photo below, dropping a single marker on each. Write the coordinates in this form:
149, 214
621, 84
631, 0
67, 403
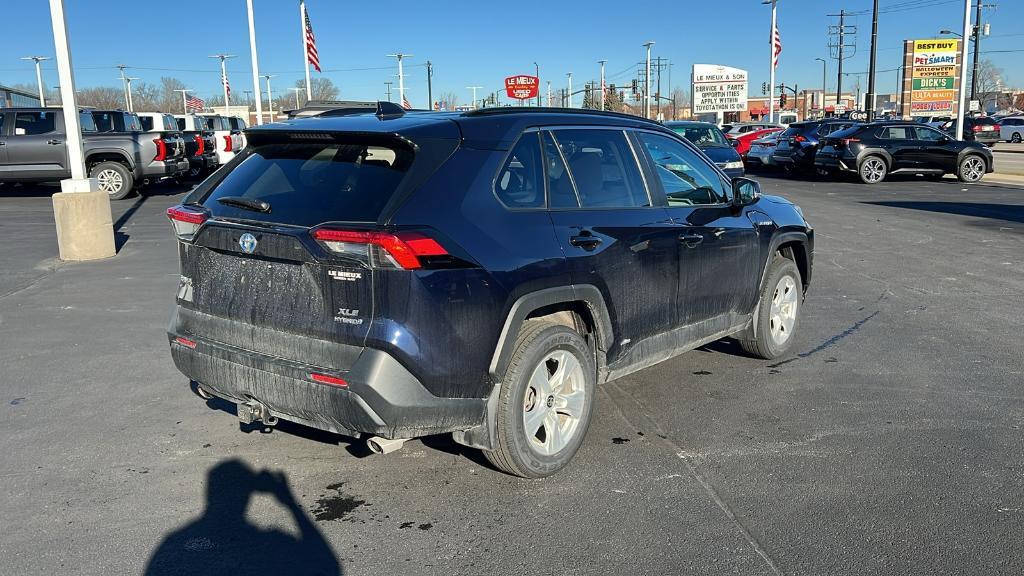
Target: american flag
405, 103
776, 46
194, 103
311, 53
224, 80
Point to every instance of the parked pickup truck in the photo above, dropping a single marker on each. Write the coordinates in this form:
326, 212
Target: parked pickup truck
229, 138
33, 149
163, 152
200, 145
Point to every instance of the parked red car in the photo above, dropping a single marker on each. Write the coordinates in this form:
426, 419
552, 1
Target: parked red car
743, 140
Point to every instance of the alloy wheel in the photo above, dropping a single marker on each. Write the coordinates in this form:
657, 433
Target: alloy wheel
554, 402
972, 169
785, 300
873, 170
110, 181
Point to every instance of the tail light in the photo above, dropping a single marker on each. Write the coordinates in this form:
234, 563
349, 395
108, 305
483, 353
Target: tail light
800, 138
976, 128
328, 379
381, 249
848, 141
186, 221
201, 145
185, 342
161, 150
227, 143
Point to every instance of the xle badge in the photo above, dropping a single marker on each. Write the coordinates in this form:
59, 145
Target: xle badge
247, 242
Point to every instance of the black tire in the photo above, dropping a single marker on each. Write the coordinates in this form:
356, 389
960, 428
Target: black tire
515, 451
872, 169
1016, 139
971, 168
118, 187
757, 340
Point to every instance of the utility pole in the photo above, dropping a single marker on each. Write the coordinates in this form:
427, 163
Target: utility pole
839, 75
474, 89
962, 100
124, 84
870, 107
430, 86
647, 82
569, 93
184, 98
42, 89
401, 76
270, 98
388, 87
248, 97
296, 90
602, 63
979, 31
131, 105
536, 72
224, 77
255, 64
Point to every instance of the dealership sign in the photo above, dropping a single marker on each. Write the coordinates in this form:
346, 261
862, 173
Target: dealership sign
522, 87
718, 89
933, 70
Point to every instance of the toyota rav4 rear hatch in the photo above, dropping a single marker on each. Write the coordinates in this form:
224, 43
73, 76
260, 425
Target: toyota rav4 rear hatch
285, 240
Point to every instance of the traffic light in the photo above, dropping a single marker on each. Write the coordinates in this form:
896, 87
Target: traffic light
634, 86
782, 100
764, 87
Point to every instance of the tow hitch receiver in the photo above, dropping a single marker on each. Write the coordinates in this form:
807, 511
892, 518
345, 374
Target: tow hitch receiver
253, 411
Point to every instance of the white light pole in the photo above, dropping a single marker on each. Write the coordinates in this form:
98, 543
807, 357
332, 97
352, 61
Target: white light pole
962, 99
224, 77
296, 90
184, 98
647, 82
549, 93
474, 89
255, 63
124, 84
270, 98
131, 104
81, 209
39, 77
569, 93
401, 76
602, 63
305, 48
771, 66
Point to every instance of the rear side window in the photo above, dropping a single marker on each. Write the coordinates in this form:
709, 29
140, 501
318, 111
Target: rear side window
180, 122
604, 170
170, 123
147, 122
131, 123
310, 183
29, 123
896, 133
86, 121
236, 123
520, 183
104, 121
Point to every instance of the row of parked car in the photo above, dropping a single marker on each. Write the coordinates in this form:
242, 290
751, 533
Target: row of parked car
124, 151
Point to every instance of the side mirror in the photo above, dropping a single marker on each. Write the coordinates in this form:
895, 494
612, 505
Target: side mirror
734, 142
745, 191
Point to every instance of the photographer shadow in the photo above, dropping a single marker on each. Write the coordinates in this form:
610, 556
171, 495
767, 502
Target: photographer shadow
222, 541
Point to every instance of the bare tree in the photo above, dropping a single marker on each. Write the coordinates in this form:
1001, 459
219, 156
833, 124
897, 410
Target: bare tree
102, 97
321, 88
449, 100
680, 100
990, 81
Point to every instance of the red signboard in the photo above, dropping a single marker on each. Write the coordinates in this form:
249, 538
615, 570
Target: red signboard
522, 87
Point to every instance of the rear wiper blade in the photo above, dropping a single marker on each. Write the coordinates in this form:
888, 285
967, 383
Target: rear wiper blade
246, 203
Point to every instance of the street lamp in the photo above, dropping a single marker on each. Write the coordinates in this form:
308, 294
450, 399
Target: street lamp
647, 81
536, 72
296, 90
957, 34
824, 79
39, 77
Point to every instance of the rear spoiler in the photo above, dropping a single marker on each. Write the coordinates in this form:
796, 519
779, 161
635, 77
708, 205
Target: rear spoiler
383, 110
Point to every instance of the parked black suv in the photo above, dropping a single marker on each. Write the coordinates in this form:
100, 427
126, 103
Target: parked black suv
875, 150
407, 274
797, 146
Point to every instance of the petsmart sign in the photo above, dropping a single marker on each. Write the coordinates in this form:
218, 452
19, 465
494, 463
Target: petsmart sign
719, 89
934, 74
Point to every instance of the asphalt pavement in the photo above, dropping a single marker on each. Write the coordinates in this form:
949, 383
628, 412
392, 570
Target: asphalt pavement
889, 442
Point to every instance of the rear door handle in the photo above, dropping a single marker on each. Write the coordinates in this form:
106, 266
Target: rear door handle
691, 240
55, 142
585, 241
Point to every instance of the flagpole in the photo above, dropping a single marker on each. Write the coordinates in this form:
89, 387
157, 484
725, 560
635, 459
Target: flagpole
305, 48
255, 66
771, 64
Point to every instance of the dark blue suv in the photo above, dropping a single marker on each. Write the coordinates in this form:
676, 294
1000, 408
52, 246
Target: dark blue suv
407, 274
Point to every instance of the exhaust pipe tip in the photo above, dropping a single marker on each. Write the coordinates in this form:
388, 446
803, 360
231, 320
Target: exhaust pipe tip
379, 445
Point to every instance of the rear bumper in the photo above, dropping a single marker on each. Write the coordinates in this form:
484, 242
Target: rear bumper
830, 162
206, 161
380, 397
166, 169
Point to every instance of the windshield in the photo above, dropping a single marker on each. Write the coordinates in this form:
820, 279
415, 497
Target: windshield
702, 136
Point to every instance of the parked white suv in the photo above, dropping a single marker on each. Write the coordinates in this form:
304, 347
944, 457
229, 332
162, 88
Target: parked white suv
1011, 129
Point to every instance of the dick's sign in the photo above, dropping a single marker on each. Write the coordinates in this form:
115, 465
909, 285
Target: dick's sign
522, 87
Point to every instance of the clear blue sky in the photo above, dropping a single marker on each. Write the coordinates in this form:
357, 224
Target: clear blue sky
478, 43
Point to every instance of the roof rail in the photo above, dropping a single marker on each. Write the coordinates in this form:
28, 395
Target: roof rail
348, 108
496, 111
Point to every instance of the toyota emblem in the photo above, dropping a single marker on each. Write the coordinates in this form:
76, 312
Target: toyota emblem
247, 242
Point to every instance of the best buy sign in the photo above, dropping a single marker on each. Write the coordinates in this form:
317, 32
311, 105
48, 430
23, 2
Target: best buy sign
933, 83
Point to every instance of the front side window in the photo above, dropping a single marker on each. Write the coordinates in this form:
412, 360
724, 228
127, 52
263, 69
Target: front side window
30, 123
604, 170
520, 182
896, 133
687, 179
929, 134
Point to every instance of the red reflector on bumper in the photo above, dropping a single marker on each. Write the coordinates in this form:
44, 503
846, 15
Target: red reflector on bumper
327, 379
185, 342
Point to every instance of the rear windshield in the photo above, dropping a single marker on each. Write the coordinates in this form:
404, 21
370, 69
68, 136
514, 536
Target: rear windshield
793, 130
846, 133
985, 120
310, 183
